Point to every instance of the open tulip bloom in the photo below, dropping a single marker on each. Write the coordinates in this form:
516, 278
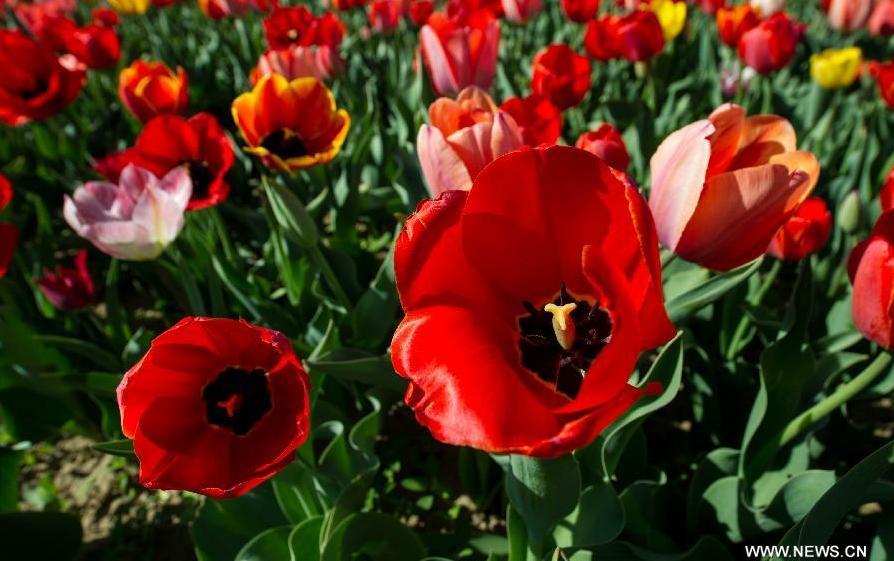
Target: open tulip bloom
545, 279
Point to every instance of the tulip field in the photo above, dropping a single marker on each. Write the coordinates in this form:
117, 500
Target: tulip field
446, 280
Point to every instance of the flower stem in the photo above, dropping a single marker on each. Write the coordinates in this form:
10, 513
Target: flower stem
745, 322
842, 394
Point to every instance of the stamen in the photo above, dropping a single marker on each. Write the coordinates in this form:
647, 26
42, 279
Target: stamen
562, 326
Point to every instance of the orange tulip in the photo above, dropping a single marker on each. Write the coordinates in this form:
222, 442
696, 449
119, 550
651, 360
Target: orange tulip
291, 125
734, 21
722, 187
148, 89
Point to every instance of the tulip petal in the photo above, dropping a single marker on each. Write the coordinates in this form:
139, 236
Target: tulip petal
441, 165
678, 168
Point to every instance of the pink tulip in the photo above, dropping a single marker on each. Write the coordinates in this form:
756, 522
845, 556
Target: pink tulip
134, 220
847, 15
722, 187
316, 61
521, 11
461, 50
881, 22
465, 135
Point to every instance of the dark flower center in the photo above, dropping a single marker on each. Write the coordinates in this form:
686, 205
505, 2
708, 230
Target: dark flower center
560, 342
202, 177
237, 399
34, 90
285, 144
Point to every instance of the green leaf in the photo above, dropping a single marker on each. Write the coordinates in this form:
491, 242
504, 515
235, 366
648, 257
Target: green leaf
686, 304
848, 493
304, 541
543, 492
40, 536
291, 215
708, 548
517, 535
269, 545
122, 447
598, 519
359, 366
372, 536
9, 479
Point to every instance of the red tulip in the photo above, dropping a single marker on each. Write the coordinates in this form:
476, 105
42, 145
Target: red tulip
580, 11
710, 7
216, 406
148, 89
637, 36
69, 289
847, 15
420, 11
96, 45
316, 61
734, 21
771, 45
31, 13
464, 136
219, 9
722, 187
105, 16
521, 11
538, 119
881, 22
545, 279
385, 15
287, 26
348, 4
871, 270
805, 233
460, 51
561, 75
199, 144
883, 72
886, 197
9, 233
606, 142
35, 83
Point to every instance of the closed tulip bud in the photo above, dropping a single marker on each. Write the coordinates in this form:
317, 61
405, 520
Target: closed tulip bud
847, 15
607, 143
771, 45
836, 68
671, 15
460, 50
805, 233
580, 11
134, 220
871, 271
850, 213
69, 288
148, 89
735, 21
881, 22
521, 11
130, 6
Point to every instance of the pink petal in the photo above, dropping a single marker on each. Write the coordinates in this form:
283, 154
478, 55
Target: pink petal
443, 168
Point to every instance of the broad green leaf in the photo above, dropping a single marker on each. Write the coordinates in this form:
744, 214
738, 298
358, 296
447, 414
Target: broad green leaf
269, 545
707, 548
597, 519
543, 492
304, 541
374, 536
686, 304
291, 215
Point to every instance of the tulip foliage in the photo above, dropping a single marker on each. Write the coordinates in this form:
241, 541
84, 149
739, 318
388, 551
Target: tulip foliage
405, 280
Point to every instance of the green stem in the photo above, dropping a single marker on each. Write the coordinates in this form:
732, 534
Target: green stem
841, 395
745, 322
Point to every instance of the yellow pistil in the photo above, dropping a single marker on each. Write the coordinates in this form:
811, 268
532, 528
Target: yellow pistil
562, 325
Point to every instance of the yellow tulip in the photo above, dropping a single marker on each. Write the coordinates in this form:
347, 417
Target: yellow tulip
671, 15
836, 68
130, 6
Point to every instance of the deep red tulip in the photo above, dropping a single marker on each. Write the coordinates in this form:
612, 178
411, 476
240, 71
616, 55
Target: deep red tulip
31, 13
734, 21
148, 89
9, 233
561, 75
105, 16
420, 11
296, 25
538, 119
385, 15
883, 72
770, 45
886, 197
546, 280
607, 143
637, 36
805, 233
348, 4
580, 11
96, 44
200, 144
881, 22
871, 270
216, 406
69, 288
460, 50
164, 3
35, 83
710, 7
